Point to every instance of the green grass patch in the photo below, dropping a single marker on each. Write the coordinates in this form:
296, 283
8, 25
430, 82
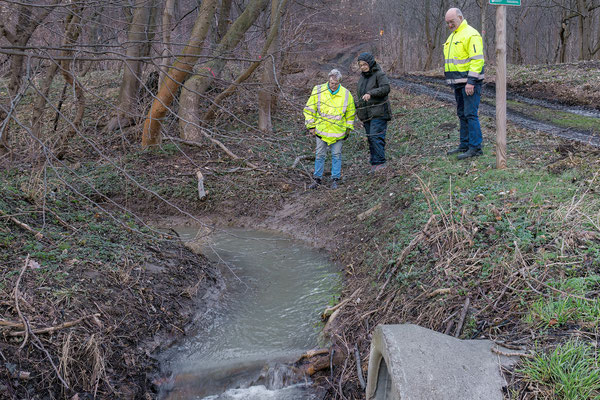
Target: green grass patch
561, 118
560, 309
570, 371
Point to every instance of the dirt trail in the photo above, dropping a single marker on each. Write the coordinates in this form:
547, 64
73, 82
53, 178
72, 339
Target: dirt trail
431, 87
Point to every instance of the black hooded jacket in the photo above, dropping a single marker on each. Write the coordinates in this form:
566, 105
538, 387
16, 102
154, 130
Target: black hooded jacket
376, 83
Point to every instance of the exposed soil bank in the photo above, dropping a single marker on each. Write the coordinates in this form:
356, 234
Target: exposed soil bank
99, 300
414, 242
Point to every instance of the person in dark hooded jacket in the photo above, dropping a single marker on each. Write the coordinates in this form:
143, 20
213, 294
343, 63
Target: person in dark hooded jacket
373, 107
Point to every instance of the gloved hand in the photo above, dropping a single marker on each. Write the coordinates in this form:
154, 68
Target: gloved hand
346, 135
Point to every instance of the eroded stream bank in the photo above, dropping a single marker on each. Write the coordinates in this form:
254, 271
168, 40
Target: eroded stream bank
266, 316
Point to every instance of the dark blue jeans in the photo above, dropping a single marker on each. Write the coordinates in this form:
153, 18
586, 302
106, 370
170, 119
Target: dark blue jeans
375, 130
467, 108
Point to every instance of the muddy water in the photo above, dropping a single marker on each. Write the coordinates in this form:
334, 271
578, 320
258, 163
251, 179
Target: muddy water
267, 315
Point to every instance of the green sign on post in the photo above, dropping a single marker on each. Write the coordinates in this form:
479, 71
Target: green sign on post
506, 2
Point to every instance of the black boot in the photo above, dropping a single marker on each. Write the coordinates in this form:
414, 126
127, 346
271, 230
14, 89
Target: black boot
470, 153
458, 150
315, 184
334, 183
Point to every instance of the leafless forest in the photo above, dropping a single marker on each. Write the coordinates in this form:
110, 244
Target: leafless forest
257, 53
85, 84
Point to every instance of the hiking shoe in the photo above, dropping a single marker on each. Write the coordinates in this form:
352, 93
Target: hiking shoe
315, 183
458, 150
334, 183
469, 153
379, 168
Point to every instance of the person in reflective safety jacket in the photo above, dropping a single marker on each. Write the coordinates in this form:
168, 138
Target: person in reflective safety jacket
329, 116
463, 69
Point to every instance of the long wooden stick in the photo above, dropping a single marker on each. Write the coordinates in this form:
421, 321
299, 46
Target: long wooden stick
56, 327
11, 324
463, 315
23, 225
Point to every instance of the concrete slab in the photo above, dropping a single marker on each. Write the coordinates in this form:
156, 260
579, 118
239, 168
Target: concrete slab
409, 362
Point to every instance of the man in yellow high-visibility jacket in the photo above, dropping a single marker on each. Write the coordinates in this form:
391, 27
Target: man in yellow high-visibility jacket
463, 68
329, 115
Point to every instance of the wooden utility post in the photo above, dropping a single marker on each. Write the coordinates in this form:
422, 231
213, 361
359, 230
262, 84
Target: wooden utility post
501, 87
501, 79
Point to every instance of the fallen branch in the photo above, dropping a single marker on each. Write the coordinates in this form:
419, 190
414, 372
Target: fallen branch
10, 324
17, 294
369, 212
60, 220
215, 141
56, 327
330, 310
439, 291
463, 315
201, 192
361, 378
300, 158
502, 353
332, 318
23, 225
312, 353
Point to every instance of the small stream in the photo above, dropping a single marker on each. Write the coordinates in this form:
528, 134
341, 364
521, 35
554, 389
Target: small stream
266, 317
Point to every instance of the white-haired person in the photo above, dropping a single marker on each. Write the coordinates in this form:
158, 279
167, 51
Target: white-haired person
329, 116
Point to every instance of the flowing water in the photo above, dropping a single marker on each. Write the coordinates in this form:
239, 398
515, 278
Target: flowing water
268, 315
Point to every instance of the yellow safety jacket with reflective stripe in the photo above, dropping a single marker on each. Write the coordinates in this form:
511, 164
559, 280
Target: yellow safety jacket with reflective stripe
463, 54
330, 114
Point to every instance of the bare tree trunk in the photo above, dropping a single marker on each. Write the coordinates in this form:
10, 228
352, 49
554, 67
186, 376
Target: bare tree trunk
195, 87
27, 23
265, 94
585, 30
517, 55
23, 32
141, 32
223, 21
40, 106
428, 38
231, 89
483, 19
72, 31
167, 51
563, 37
178, 73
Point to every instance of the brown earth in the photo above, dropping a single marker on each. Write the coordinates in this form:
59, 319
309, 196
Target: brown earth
130, 311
